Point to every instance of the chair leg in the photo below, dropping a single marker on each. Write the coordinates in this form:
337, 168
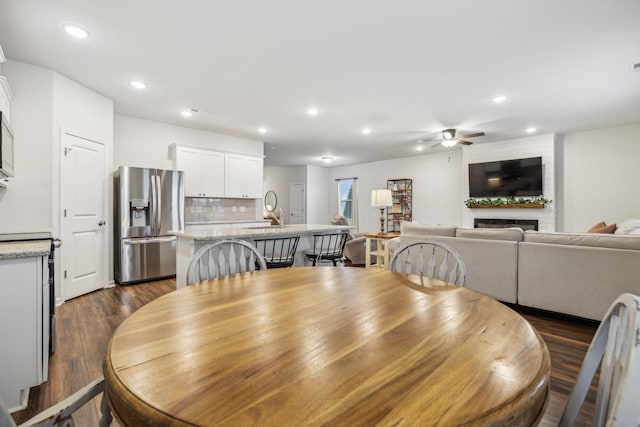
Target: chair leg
106, 418
335, 263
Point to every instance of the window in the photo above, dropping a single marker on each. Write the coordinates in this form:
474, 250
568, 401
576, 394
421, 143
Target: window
347, 201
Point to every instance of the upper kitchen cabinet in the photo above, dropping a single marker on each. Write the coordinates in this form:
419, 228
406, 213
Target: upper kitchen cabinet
203, 171
243, 176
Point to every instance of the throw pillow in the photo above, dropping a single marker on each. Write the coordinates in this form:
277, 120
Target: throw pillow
628, 226
607, 229
597, 227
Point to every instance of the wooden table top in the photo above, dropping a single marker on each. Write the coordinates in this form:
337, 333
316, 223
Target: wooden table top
326, 346
389, 235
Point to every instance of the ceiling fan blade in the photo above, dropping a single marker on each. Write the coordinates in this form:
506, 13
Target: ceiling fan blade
474, 135
435, 145
460, 141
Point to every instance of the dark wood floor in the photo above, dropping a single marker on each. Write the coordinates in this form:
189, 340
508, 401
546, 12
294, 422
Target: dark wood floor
86, 323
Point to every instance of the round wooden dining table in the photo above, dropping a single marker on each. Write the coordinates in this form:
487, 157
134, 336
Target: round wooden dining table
326, 346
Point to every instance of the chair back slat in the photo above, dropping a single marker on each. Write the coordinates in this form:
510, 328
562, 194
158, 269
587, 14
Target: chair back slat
615, 350
429, 258
224, 258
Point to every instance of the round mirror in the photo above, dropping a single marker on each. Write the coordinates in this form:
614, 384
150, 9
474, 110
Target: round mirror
270, 201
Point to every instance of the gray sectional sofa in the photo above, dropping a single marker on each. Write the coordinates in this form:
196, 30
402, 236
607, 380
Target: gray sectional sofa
579, 274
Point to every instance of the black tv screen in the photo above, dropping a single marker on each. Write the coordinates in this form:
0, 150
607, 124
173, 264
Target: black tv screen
506, 178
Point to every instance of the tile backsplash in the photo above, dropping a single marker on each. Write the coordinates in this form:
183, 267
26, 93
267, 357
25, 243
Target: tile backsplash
202, 209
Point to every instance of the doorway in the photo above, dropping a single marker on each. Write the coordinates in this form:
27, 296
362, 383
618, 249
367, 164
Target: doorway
83, 227
297, 202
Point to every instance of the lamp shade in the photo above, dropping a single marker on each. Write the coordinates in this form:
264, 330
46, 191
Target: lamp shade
381, 198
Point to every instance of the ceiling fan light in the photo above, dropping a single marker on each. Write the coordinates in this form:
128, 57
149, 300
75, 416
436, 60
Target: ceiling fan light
448, 134
448, 142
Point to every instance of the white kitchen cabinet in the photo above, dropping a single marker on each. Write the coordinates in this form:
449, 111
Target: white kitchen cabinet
24, 328
203, 171
243, 176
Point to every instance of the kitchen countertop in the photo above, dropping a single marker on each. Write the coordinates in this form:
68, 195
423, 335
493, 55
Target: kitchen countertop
231, 221
24, 249
247, 233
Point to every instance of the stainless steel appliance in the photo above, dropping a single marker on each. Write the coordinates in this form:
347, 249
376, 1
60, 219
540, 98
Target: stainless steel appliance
148, 203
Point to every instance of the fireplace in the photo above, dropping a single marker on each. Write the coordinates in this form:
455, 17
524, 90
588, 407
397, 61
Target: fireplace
525, 224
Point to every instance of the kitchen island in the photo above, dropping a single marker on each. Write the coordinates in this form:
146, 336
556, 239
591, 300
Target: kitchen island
189, 241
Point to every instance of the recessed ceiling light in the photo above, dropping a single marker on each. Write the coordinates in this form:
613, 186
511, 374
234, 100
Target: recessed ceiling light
500, 98
531, 130
262, 130
327, 159
138, 84
313, 111
419, 148
76, 31
186, 113
366, 131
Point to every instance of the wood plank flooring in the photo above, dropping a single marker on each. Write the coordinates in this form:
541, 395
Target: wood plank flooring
86, 323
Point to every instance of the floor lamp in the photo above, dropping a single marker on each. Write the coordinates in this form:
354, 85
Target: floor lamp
381, 199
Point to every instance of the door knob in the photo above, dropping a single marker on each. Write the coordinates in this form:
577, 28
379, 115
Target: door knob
101, 223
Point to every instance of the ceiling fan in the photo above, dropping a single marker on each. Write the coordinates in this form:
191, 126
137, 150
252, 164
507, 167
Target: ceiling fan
449, 138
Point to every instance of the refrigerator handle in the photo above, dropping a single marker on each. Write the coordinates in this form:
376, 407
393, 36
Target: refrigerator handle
154, 193
159, 208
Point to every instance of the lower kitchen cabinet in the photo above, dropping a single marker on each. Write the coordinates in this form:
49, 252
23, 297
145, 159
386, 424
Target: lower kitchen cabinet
24, 327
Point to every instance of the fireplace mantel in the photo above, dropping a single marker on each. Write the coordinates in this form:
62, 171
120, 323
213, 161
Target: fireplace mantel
510, 206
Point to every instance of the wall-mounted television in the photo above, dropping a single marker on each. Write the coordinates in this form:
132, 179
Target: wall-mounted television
506, 178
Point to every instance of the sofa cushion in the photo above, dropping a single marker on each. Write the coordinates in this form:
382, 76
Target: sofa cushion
628, 226
576, 280
407, 227
511, 233
612, 241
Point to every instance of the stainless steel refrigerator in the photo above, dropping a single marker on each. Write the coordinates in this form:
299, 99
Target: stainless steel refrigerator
147, 204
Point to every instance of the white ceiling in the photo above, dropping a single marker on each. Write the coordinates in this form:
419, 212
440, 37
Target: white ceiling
406, 69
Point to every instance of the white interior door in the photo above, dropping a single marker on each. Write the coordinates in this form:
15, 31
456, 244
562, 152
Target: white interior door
83, 227
297, 202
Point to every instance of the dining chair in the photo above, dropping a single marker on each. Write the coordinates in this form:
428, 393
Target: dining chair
278, 252
615, 349
327, 247
429, 258
61, 414
223, 258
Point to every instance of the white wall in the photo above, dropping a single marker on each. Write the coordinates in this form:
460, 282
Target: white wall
599, 177
145, 143
318, 209
45, 102
278, 179
437, 187
88, 114
27, 205
534, 146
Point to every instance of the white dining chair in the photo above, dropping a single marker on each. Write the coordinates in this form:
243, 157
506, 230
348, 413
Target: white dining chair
429, 258
615, 348
61, 414
224, 258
